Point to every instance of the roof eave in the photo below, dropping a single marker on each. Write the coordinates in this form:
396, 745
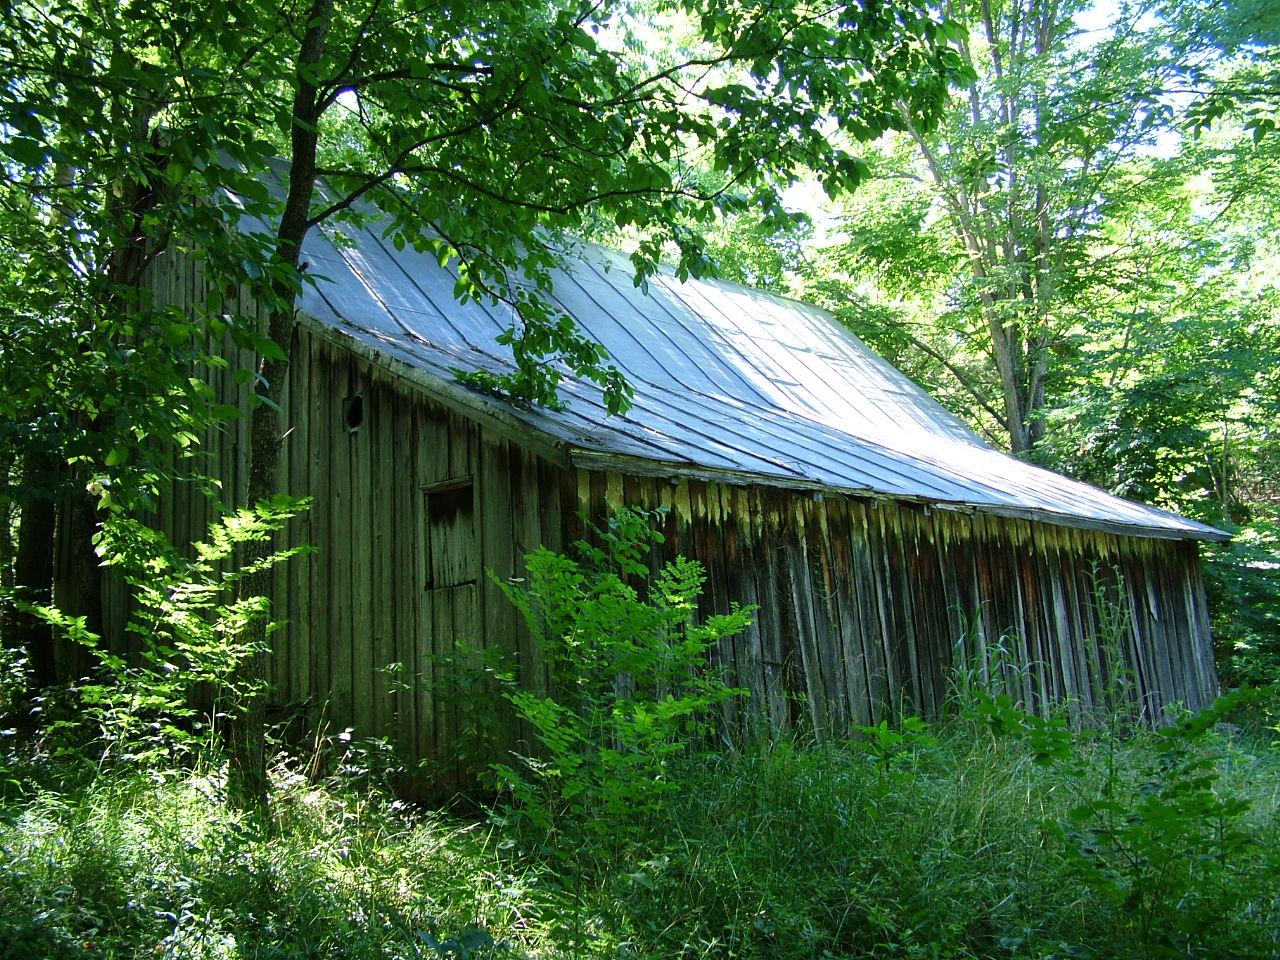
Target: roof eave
495, 415
676, 470
448, 393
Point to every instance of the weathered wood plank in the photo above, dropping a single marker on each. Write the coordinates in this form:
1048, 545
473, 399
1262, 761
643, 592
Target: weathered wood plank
406, 537
946, 604
444, 646
494, 502
1011, 560
322, 405
769, 616
1197, 614
911, 637
681, 511
801, 586
293, 587
826, 618
904, 685
341, 521
613, 498
744, 568
1059, 640
710, 550
867, 605
551, 533
299, 532
364, 518
432, 467
928, 614
527, 505
847, 630
383, 477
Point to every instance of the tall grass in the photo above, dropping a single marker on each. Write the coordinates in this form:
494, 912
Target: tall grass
935, 844
160, 867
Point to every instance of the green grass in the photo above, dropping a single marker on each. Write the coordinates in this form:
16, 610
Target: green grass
949, 844
138, 866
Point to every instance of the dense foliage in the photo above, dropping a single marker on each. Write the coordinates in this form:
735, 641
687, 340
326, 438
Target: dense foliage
629, 684
485, 133
940, 842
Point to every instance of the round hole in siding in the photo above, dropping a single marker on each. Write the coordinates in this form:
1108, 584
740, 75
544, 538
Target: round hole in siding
353, 412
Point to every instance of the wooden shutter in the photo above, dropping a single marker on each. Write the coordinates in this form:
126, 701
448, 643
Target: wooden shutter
452, 554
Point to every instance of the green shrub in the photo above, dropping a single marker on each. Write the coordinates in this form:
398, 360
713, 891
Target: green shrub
1164, 843
955, 846
154, 706
1241, 578
630, 683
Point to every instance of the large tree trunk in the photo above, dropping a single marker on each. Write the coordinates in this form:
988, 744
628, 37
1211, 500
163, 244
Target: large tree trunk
33, 564
1005, 347
247, 784
77, 575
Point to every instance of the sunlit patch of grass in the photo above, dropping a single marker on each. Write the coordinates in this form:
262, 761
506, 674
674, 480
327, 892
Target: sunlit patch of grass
143, 866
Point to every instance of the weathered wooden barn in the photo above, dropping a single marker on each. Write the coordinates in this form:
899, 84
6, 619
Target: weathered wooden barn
884, 542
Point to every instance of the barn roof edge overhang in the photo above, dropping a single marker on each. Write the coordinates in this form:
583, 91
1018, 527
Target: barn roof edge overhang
496, 415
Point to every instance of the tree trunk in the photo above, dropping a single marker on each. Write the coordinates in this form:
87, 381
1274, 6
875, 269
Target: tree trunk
247, 777
1005, 347
33, 564
77, 575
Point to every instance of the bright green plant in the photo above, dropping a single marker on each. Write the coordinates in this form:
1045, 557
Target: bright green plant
1241, 579
13, 686
1166, 843
1151, 833
1112, 675
630, 682
894, 745
984, 666
13, 680
188, 623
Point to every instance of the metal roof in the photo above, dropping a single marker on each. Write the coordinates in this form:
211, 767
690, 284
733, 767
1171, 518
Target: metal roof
730, 383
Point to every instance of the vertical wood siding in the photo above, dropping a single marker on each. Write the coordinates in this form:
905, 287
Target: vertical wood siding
866, 608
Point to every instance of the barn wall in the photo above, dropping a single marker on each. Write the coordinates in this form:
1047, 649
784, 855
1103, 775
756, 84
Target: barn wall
869, 609
866, 608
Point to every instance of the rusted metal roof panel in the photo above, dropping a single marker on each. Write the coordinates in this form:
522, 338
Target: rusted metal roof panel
730, 382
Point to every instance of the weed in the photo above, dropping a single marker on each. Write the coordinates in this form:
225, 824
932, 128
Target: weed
630, 685
768, 852
152, 707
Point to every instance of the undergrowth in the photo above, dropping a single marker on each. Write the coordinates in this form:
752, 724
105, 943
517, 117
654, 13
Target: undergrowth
946, 842
135, 866
992, 834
